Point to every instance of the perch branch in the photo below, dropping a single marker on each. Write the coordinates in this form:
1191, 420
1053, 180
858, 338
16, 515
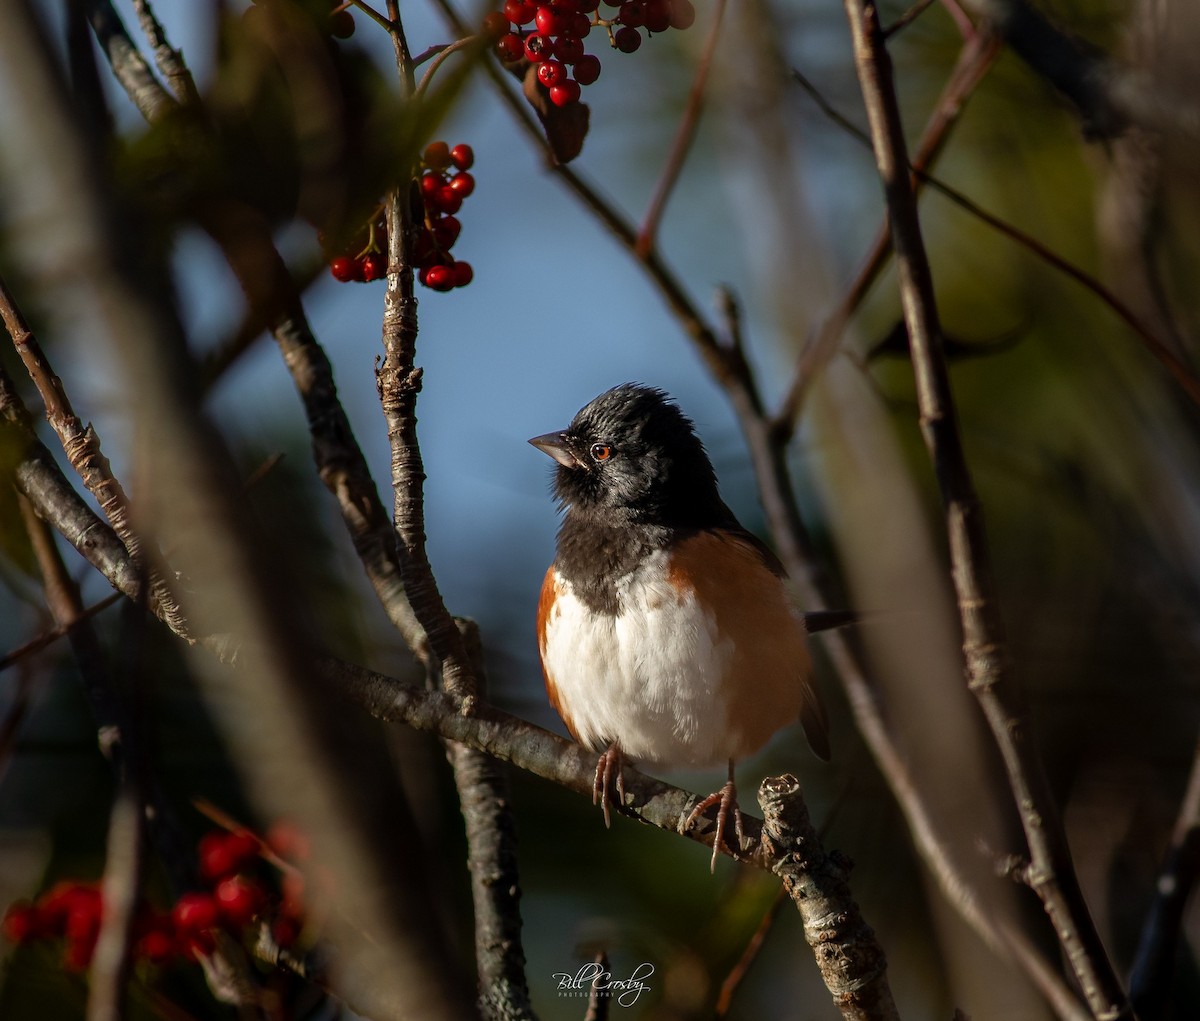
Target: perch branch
850, 959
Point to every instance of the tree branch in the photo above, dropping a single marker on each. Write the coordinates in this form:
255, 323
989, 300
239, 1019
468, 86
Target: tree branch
850, 959
975, 59
82, 448
984, 647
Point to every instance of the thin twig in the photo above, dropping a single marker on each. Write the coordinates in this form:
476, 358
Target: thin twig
374, 15
169, 61
51, 635
598, 1001
399, 381
908, 17
984, 646
81, 445
749, 955
475, 42
684, 134
1177, 368
975, 59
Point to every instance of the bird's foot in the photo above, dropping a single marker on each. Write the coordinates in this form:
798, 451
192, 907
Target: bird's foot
609, 774
726, 799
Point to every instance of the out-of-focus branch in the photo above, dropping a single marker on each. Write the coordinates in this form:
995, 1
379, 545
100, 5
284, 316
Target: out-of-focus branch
975, 59
850, 959
273, 721
684, 134
82, 448
1051, 873
1181, 372
1150, 977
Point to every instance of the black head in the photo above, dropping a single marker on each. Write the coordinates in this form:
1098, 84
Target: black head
632, 451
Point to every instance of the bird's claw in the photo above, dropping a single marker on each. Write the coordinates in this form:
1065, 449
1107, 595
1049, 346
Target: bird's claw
610, 772
726, 799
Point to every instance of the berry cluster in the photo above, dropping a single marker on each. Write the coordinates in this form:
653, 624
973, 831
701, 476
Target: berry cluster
551, 34
442, 195
362, 258
236, 897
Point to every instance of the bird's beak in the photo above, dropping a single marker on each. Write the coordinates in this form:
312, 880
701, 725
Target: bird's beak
555, 444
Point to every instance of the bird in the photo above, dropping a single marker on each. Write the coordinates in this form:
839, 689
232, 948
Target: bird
665, 631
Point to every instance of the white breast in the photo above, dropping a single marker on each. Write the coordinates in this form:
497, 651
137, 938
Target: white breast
649, 678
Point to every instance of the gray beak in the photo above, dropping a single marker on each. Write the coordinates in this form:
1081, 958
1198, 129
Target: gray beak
555, 444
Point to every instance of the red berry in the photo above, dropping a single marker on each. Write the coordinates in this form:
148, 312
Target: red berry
194, 913
155, 945
627, 39
565, 94
341, 24
683, 14
576, 25
551, 73
568, 49
548, 21
519, 12
374, 267
633, 14
510, 47
437, 155
448, 200
342, 268
462, 156
588, 6
20, 922
494, 25
463, 274
538, 48
239, 899
446, 231
431, 183
658, 15
222, 854
463, 183
439, 278
587, 69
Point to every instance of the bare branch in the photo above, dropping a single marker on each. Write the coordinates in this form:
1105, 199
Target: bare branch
975, 59
82, 447
684, 134
169, 61
985, 651
849, 957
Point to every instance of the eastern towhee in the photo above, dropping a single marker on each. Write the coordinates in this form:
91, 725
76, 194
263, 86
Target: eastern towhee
665, 630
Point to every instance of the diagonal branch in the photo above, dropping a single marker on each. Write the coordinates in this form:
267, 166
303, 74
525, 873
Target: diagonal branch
975, 59
989, 676
82, 448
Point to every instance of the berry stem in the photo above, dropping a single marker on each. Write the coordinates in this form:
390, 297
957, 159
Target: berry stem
373, 14
471, 41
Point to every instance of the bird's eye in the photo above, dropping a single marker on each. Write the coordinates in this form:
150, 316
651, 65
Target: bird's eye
600, 451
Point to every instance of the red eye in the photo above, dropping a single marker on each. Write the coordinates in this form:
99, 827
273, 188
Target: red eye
600, 451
